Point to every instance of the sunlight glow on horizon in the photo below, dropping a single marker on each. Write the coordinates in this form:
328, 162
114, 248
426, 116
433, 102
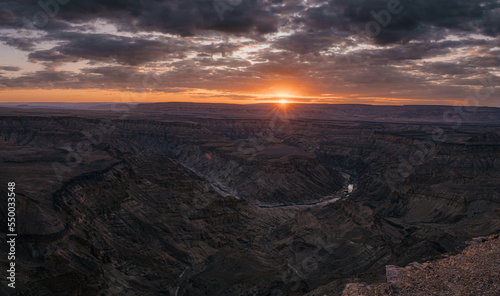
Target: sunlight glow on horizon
195, 96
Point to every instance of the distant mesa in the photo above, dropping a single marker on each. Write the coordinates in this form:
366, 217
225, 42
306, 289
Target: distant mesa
486, 138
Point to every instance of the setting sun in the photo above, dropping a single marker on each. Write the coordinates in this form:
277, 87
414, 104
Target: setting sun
283, 102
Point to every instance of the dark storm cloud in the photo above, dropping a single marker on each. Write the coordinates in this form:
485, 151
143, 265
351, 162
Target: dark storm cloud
8, 18
413, 18
108, 48
187, 17
182, 17
337, 17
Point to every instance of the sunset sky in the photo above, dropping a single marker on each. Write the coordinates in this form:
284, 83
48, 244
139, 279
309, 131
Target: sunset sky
249, 51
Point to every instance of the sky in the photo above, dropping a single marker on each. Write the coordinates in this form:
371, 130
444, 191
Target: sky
429, 52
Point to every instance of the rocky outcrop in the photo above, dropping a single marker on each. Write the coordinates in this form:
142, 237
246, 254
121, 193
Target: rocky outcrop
474, 271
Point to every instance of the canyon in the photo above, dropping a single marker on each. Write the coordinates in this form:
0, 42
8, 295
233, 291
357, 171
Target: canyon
211, 199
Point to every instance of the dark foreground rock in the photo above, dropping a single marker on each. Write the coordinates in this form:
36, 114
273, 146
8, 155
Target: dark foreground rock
474, 271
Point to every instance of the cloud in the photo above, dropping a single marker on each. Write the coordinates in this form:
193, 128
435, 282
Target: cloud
24, 44
182, 17
416, 18
9, 68
50, 56
428, 49
304, 43
108, 48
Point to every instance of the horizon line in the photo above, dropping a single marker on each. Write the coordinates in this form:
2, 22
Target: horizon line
244, 104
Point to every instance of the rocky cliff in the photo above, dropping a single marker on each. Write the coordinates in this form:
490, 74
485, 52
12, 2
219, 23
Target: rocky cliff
474, 271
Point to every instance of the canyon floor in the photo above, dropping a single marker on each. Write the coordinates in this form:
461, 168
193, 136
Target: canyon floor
206, 199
